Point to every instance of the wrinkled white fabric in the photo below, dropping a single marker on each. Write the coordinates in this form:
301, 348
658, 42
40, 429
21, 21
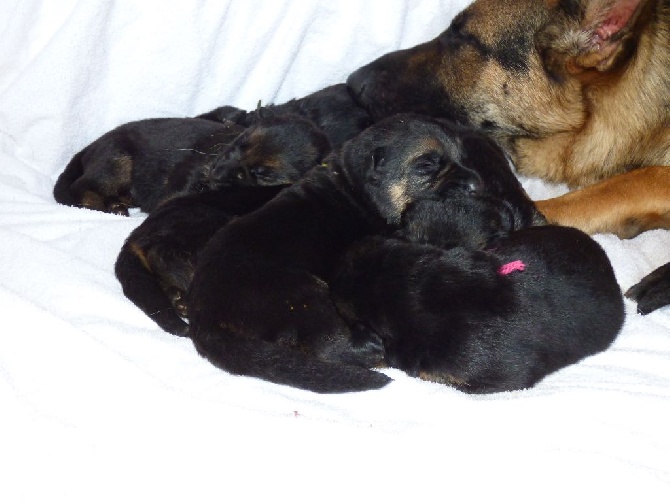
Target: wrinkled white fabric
97, 403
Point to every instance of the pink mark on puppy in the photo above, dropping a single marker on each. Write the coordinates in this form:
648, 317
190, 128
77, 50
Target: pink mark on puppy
514, 266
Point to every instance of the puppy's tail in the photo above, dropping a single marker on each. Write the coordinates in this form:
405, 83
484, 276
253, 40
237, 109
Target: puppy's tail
73, 171
283, 365
143, 288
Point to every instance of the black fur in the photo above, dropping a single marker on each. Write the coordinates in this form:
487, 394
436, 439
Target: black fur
449, 315
224, 114
260, 304
275, 151
653, 291
156, 263
332, 109
146, 162
129, 166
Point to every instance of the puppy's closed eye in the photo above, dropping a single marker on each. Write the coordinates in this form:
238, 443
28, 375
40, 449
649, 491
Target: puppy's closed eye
263, 174
457, 178
427, 164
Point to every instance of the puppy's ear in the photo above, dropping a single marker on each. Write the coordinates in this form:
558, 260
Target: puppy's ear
377, 160
591, 35
225, 114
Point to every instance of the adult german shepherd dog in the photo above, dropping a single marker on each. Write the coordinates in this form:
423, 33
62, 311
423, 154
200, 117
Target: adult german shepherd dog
576, 91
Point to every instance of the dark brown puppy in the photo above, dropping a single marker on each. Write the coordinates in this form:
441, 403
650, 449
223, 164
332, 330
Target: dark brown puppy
156, 263
275, 151
484, 321
260, 304
653, 291
576, 91
332, 109
129, 166
146, 162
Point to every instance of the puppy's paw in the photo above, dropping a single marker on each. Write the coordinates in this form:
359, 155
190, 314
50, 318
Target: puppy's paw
118, 208
368, 346
178, 300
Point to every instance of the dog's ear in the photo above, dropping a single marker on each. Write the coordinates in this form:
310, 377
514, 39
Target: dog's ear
608, 25
589, 35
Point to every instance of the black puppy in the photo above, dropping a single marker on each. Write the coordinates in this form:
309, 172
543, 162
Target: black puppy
143, 163
332, 109
466, 293
156, 263
494, 320
653, 291
260, 304
461, 315
129, 166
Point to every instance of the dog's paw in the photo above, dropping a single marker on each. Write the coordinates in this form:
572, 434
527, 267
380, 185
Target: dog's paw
653, 291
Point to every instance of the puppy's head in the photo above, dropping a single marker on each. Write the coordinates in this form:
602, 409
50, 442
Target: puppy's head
460, 221
512, 68
274, 151
402, 161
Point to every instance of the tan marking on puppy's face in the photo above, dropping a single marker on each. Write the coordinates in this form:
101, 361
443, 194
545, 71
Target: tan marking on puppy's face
410, 168
412, 184
398, 195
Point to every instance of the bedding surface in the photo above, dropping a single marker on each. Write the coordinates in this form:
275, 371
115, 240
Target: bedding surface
97, 403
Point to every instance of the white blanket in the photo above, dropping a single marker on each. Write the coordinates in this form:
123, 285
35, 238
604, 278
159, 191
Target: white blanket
97, 403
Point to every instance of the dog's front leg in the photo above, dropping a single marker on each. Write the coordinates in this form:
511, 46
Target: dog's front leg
625, 205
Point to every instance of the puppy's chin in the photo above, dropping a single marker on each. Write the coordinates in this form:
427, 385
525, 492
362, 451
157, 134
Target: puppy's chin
389, 203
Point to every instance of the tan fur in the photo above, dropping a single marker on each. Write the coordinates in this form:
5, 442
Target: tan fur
607, 112
442, 378
627, 124
400, 192
575, 91
123, 167
398, 195
614, 204
138, 251
92, 200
